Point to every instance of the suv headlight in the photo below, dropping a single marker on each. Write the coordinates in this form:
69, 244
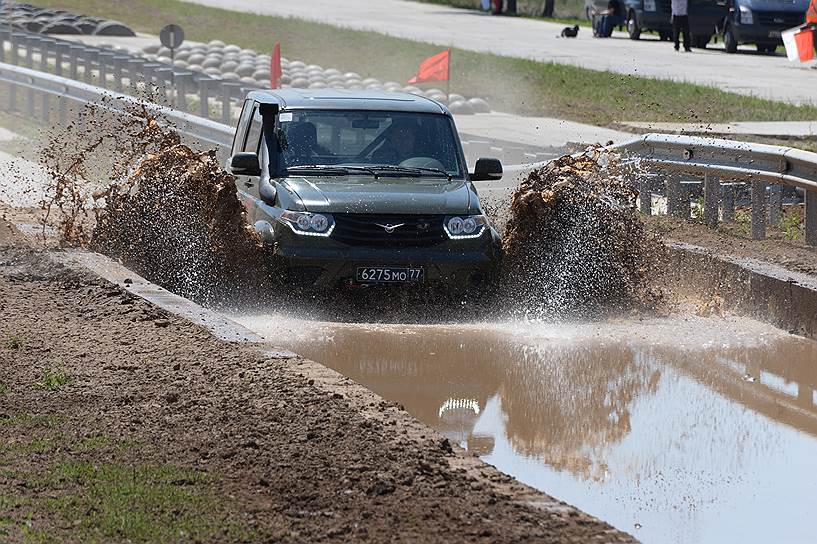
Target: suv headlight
746, 15
308, 224
465, 226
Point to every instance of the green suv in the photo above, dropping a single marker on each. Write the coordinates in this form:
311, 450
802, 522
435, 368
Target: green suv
358, 188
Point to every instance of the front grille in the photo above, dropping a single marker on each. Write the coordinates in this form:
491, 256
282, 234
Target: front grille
365, 230
780, 19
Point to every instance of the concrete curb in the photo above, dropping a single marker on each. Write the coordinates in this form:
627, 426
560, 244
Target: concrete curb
765, 291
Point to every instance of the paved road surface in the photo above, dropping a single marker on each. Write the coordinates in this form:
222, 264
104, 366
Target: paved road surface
748, 73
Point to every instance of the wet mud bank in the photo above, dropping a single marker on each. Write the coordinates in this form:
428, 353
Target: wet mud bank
767, 292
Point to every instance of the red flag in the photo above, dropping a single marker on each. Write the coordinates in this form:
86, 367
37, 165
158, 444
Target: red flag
275, 67
433, 68
799, 42
805, 44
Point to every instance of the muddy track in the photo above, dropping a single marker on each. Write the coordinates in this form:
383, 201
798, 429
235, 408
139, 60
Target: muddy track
287, 449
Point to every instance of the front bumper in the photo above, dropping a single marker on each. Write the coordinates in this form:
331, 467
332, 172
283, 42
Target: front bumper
323, 262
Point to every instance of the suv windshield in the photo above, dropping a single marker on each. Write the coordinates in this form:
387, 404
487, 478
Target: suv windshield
376, 142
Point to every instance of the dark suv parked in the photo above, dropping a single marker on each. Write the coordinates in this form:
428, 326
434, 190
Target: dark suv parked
359, 188
760, 22
656, 15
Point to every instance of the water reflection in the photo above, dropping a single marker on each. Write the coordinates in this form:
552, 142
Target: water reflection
695, 440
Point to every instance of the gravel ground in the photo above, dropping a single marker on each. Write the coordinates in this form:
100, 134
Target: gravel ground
118, 418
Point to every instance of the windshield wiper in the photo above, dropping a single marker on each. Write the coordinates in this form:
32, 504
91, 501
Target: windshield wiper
412, 169
330, 170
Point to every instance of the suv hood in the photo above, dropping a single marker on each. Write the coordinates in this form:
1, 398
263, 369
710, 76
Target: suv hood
386, 195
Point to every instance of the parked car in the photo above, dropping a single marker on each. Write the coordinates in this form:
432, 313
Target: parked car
359, 188
760, 22
705, 16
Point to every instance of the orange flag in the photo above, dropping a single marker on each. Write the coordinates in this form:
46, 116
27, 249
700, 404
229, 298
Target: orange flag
275, 67
433, 68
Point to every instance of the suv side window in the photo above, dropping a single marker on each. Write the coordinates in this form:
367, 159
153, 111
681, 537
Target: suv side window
241, 130
253, 141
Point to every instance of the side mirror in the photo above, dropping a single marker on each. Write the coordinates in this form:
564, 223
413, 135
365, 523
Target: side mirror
245, 164
487, 169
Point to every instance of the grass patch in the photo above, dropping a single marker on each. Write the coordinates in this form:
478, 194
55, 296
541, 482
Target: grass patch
137, 503
4, 389
515, 85
14, 342
54, 379
26, 419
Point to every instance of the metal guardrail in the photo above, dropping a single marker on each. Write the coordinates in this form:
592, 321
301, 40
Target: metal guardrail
756, 164
759, 165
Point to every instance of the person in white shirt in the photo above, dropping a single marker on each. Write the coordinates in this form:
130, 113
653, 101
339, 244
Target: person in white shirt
680, 22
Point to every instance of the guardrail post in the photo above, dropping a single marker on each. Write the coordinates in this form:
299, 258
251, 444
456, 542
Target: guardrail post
134, 74
73, 60
90, 55
15, 48
118, 63
728, 201
46, 44
758, 210
644, 196
4, 37
28, 41
673, 190
105, 58
62, 108
711, 197
59, 49
227, 91
182, 83
775, 204
163, 76
810, 217
204, 96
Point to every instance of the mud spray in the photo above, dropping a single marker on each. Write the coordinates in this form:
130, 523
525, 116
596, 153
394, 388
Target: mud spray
127, 187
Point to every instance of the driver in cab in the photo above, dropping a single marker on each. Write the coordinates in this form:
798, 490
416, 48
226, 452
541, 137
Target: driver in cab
400, 144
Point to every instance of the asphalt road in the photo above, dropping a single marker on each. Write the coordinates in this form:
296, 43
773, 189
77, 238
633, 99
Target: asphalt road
749, 73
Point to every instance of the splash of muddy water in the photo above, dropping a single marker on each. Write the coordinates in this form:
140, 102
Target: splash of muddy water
127, 187
574, 243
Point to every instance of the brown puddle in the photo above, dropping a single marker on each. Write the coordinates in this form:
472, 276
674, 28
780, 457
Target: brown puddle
678, 430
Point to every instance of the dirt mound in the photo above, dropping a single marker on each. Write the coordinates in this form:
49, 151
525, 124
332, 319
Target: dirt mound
574, 242
127, 187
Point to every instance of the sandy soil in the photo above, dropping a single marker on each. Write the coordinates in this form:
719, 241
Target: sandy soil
289, 450
726, 240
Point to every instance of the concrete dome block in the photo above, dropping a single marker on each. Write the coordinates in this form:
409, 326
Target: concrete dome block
300, 83
211, 62
479, 105
461, 107
230, 76
228, 66
245, 70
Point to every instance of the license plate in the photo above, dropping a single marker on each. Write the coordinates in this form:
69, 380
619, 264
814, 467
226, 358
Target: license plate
774, 34
387, 274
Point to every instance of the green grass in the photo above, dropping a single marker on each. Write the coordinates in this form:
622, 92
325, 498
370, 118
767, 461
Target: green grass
136, 503
14, 342
4, 389
514, 85
25, 419
54, 379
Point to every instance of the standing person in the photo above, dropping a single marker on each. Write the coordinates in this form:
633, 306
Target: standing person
680, 22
